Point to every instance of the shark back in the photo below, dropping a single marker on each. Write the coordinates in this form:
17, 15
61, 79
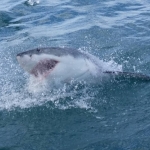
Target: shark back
56, 51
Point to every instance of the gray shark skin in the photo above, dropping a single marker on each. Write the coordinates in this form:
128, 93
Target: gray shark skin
57, 51
132, 75
46, 61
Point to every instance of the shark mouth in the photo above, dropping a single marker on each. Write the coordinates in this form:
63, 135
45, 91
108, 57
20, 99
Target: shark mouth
44, 67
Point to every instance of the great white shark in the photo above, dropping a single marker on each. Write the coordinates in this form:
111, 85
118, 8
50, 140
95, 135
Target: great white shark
65, 64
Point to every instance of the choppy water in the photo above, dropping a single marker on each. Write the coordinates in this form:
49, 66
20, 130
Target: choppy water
113, 115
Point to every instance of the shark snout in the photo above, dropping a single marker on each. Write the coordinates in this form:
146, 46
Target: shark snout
19, 55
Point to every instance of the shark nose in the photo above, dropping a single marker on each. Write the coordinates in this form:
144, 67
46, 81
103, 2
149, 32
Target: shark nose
19, 55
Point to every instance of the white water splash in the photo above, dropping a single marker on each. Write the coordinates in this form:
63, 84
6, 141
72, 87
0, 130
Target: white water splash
33, 2
103, 65
11, 99
16, 94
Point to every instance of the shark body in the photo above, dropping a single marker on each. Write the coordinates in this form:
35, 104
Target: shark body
65, 64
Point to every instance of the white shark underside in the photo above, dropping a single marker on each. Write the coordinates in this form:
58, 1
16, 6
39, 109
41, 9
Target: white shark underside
64, 64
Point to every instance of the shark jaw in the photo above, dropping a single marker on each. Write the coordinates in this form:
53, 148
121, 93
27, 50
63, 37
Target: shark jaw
44, 67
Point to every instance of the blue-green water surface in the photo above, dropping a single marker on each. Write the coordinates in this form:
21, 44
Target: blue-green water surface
112, 115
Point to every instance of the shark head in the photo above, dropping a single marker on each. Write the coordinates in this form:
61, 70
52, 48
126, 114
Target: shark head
38, 61
54, 62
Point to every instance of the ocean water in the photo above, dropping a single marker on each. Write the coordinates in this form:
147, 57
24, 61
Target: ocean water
110, 115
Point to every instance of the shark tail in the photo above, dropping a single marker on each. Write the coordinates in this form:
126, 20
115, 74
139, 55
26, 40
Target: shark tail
138, 76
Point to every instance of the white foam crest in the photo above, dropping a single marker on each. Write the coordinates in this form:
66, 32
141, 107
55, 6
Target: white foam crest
62, 91
110, 65
22, 98
33, 2
36, 85
82, 101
